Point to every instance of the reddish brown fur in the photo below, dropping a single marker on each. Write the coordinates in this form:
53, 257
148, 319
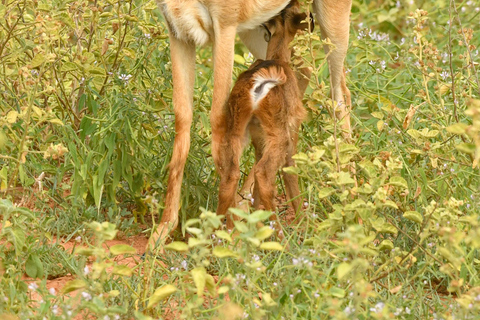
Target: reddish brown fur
273, 123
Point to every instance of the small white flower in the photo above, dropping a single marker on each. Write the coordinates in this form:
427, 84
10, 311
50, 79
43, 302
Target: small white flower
78, 239
33, 286
52, 291
184, 264
86, 270
407, 310
55, 309
87, 296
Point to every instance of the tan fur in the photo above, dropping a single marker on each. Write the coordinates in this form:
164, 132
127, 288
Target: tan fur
198, 22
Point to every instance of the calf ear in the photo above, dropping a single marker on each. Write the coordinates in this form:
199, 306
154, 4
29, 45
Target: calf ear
301, 21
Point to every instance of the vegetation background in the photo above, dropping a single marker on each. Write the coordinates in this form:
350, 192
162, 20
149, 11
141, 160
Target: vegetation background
86, 133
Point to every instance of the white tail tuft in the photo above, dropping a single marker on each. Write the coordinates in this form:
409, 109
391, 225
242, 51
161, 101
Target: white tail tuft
264, 80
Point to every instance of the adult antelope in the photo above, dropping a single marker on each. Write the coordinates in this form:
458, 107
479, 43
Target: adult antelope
194, 23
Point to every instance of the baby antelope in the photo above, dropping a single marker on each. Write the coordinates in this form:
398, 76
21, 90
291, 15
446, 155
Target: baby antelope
266, 105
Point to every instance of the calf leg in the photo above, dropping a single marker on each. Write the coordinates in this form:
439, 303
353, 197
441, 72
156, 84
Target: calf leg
265, 171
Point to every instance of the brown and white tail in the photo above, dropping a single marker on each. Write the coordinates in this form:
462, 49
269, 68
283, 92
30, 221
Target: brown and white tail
264, 80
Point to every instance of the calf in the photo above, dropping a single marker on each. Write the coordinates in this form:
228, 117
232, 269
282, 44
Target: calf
266, 104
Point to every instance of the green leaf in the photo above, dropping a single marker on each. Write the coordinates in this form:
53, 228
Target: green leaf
413, 216
161, 294
390, 203
141, 316
222, 252
378, 115
68, 66
264, 233
387, 228
239, 59
193, 242
122, 270
386, 245
222, 234
344, 178
37, 61
414, 133
326, 192
258, 216
398, 182
122, 249
337, 292
199, 276
56, 121
12, 116
241, 226
466, 147
34, 267
96, 71
343, 269
457, 128
239, 213
271, 245
177, 246
73, 285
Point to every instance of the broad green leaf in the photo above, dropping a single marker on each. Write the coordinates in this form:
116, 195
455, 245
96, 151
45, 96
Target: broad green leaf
177, 246
258, 216
380, 125
271, 245
466, 147
37, 61
68, 66
122, 270
343, 269
73, 285
161, 294
193, 242
390, 203
388, 228
337, 292
386, 245
141, 316
264, 233
223, 289
414, 133
398, 182
241, 226
199, 276
34, 267
222, 252
12, 116
210, 284
344, 178
56, 121
239, 59
122, 249
223, 235
239, 213
326, 192
413, 216
377, 114
457, 128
